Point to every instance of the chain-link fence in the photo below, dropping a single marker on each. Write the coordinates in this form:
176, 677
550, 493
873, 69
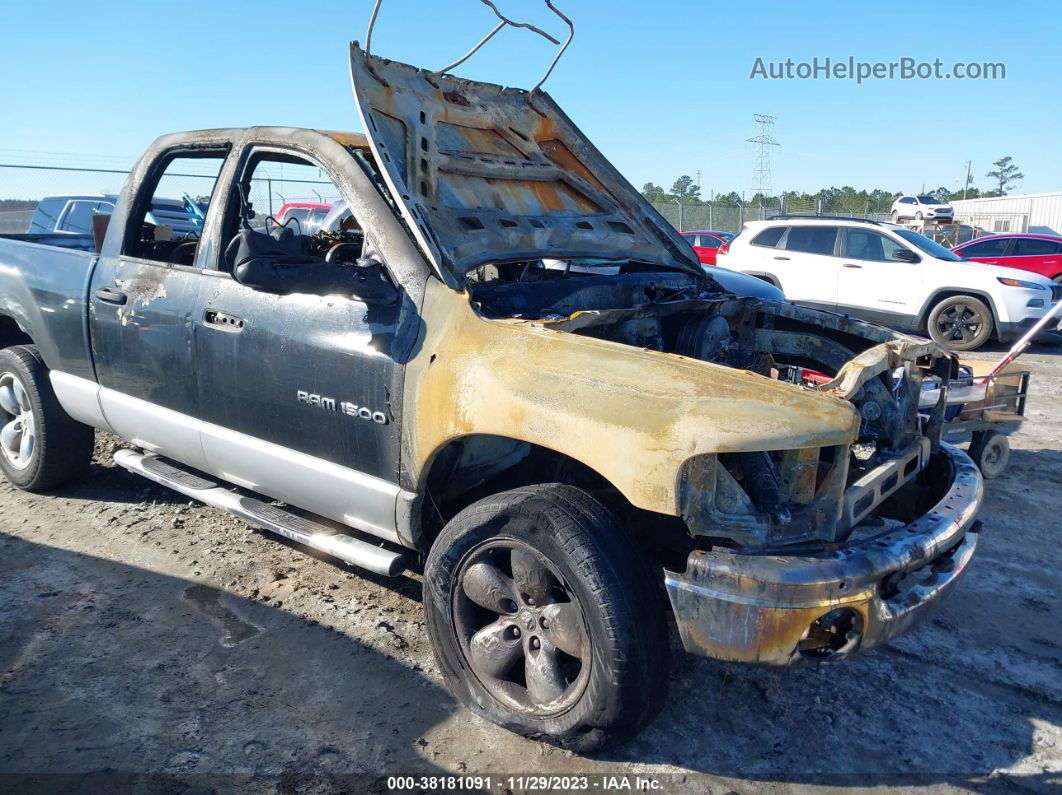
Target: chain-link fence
730, 218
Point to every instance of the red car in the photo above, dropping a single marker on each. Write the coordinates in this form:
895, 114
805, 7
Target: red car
705, 244
1040, 254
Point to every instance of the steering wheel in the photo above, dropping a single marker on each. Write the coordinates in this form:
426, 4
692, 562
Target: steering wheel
175, 254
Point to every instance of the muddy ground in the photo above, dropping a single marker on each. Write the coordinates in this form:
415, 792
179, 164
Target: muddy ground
143, 634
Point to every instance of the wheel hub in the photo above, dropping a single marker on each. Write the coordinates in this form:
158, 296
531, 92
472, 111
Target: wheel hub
520, 628
18, 427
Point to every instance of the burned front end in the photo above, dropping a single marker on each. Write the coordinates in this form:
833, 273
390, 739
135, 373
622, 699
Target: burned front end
795, 550
816, 553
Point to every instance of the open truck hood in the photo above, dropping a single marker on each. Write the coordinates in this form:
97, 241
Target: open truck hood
483, 173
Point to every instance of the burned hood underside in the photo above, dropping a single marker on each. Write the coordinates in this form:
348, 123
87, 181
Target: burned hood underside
483, 173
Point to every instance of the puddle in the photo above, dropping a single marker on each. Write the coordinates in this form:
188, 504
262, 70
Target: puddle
208, 600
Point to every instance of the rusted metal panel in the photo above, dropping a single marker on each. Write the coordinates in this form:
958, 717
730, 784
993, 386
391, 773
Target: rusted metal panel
632, 415
486, 174
761, 608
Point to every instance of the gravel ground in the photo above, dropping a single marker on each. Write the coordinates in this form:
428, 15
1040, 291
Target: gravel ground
143, 634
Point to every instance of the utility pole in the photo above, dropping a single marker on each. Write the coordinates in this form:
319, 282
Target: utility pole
698, 178
761, 172
969, 178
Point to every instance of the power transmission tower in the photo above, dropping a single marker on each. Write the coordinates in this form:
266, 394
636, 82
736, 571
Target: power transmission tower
761, 172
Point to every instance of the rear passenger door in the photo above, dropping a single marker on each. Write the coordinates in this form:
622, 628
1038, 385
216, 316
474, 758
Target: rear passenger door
806, 265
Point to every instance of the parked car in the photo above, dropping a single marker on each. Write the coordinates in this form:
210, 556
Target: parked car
705, 245
72, 215
921, 207
556, 448
891, 275
1040, 254
309, 215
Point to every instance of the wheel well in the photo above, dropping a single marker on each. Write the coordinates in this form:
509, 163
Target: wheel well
11, 334
473, 467
951, 292
764, 277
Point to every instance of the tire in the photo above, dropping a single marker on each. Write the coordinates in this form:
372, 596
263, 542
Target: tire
602, 664
918, 216
990, 450
960, 323
1057, 279
895, 217
41, 447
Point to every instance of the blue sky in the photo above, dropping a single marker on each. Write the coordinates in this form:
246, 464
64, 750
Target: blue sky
661, 87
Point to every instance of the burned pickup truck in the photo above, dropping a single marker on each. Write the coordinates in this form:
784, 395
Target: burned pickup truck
496, 363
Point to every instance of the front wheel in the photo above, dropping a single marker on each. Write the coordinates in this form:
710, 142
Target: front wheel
544, 618
960, 323
1057, 279
918, 216
40, 445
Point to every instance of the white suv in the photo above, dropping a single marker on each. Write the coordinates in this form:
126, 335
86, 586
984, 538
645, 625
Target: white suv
921, 208
891, 275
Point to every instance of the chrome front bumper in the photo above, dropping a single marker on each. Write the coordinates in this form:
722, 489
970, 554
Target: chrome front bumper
777, 609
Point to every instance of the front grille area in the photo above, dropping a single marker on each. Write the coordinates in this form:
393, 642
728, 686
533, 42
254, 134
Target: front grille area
1056, 293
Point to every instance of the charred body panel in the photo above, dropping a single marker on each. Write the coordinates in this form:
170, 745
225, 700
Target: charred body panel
633, 415
782, 609
484, 173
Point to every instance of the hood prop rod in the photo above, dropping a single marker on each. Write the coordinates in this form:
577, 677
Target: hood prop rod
503, 22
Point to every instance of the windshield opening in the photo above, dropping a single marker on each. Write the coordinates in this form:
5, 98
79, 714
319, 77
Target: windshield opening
930, 247
927, 199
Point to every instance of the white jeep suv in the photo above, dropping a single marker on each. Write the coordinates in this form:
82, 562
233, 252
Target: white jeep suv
891, 275
921, 208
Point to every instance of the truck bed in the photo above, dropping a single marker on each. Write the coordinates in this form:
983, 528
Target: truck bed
44, 280
55, 239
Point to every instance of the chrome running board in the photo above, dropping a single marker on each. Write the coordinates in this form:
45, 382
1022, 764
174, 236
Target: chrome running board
261, 514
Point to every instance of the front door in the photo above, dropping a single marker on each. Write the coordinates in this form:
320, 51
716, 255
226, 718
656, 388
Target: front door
873, 283
141, 300
297, 390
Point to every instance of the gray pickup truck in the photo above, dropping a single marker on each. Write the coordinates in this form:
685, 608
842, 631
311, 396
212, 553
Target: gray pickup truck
565, 453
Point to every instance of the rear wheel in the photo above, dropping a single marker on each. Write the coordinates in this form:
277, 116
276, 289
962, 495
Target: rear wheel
544, 617
40, 445
990, 450
960, 323
918, 216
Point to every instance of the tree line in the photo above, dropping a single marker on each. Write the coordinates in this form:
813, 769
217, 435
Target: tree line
830, 200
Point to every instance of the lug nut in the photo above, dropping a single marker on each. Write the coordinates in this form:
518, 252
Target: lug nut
535, 643
543, 622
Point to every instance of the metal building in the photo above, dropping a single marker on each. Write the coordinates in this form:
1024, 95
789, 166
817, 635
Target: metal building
1036, 213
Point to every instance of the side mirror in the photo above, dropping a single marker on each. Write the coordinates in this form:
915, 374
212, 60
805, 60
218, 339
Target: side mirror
905, 255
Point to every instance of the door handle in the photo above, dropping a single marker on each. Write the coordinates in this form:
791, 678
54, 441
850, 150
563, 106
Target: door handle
111, 295
852, 265
785, 258
223, 320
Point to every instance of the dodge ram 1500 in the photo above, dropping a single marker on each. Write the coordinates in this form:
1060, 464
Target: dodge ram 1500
566, 452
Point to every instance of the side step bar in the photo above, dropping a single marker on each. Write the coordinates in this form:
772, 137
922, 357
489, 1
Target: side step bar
261, 514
